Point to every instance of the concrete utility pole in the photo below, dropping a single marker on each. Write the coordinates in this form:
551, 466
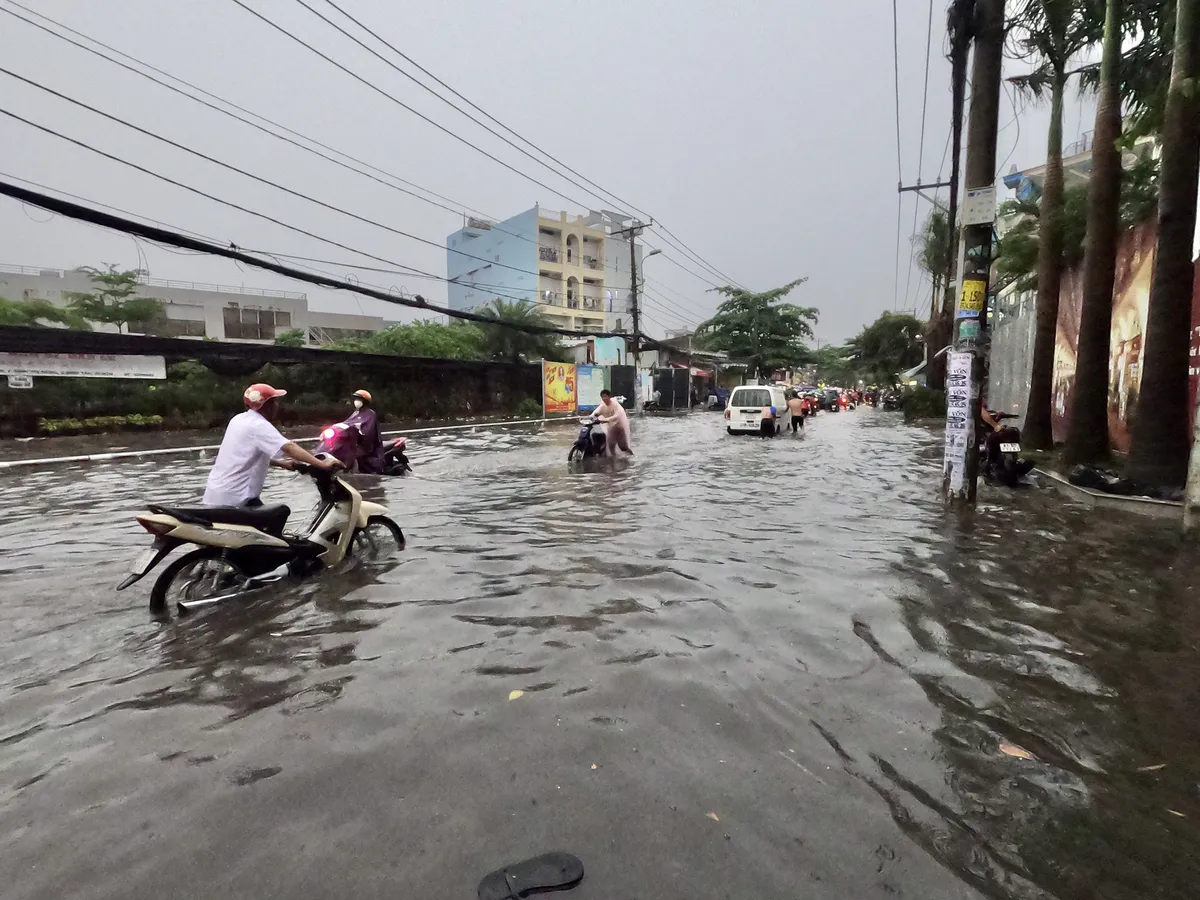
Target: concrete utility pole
633, 231
967, 365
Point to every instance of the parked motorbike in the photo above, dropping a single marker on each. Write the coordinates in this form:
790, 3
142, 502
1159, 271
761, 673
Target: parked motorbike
590, 442
891, 402
341, 441
1000, 454
243, 548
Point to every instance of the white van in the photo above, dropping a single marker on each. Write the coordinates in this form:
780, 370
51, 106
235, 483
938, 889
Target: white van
743, 415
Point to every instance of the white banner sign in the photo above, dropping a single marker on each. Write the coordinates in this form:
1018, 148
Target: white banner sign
83, 365
20, 382
959, 427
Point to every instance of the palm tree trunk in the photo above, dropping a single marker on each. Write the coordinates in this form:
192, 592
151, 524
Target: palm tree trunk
1158, 452
1050, 251
1087, 440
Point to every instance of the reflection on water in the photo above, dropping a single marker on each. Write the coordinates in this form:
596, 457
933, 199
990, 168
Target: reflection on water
874, 698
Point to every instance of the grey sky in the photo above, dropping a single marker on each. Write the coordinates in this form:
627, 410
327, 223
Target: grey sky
762, 134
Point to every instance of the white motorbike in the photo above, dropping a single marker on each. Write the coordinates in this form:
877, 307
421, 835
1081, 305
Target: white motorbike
243, 548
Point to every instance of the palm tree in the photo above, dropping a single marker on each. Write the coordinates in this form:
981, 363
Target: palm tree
1054, 33
1087, 440
511, 338
934, 244
1158, 453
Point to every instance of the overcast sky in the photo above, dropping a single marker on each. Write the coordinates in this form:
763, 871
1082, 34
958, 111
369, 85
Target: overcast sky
761, 134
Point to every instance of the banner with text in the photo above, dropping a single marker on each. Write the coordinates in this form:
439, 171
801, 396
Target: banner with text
591, 383
83, 365
559, 394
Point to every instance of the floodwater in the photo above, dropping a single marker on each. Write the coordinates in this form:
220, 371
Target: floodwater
750, 669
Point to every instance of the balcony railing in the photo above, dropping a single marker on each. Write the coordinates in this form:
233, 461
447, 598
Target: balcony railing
591, 262
551, 298
549, 254
595, 304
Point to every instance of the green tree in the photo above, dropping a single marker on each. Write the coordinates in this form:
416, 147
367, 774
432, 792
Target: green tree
505, 340
37, 313
759, 328
933, 247
1087, 440
114, 302
294, 337
1158, 453
1017, 250
888, 346
1053, 31
423, 338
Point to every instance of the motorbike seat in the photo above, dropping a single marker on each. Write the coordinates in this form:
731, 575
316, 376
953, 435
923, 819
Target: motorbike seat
269, 519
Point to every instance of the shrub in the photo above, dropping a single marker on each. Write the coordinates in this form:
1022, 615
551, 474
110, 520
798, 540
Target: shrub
529, 409
923, 403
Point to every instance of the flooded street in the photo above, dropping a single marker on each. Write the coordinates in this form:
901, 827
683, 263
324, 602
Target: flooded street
750, 669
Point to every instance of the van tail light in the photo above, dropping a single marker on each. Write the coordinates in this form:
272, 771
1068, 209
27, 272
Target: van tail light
727, 415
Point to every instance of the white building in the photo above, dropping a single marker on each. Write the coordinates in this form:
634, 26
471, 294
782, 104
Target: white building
194, 310
571, 266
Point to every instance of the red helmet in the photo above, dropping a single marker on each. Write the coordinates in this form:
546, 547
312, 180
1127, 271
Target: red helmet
258, 394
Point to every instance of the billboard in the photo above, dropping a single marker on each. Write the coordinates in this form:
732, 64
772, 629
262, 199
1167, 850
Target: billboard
591, 382
559, 394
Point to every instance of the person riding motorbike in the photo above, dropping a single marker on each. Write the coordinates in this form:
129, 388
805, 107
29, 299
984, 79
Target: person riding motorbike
251, 445
370, 444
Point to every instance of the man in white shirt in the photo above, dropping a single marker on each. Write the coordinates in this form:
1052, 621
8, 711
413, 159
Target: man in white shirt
616, 422
252, 445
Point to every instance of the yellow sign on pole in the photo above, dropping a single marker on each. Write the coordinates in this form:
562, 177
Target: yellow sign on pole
974, 294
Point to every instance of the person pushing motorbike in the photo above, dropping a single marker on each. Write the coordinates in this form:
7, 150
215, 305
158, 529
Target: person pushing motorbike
251, 445
613, 415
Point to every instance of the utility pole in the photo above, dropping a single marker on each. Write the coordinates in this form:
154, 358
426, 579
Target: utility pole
967, 365
633, 231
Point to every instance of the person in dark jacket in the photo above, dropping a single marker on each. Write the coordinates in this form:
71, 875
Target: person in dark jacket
370, 443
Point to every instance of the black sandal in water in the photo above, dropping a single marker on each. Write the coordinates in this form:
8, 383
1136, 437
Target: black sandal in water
548, 872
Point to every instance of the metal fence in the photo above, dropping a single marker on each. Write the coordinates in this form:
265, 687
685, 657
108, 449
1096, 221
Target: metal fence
1011, 359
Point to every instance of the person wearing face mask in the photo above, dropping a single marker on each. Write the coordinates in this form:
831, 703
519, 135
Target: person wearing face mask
370, 444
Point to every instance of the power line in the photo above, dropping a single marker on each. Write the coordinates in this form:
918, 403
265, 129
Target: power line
680, 246
253, 125
477, 108
457, 209
404, 105
232, 168
159, 235
896, 84
921, 145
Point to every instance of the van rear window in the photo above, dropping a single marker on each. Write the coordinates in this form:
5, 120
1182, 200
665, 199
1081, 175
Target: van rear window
757, 397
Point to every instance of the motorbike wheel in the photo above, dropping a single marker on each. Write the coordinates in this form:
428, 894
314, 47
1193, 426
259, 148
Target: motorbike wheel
1009, 473
575, 454
378, 540
197, 575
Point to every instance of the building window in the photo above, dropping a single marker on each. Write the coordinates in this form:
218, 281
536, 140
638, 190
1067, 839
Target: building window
184, 328
255, 324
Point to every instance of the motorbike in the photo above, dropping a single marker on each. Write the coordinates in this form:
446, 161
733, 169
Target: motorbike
341, 441
891, 402
237, 549
590, 442
1000, 454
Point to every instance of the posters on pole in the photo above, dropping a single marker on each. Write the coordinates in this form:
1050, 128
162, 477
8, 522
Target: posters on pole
972, 299
959, 427
559, 393
591, 383
83, 365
